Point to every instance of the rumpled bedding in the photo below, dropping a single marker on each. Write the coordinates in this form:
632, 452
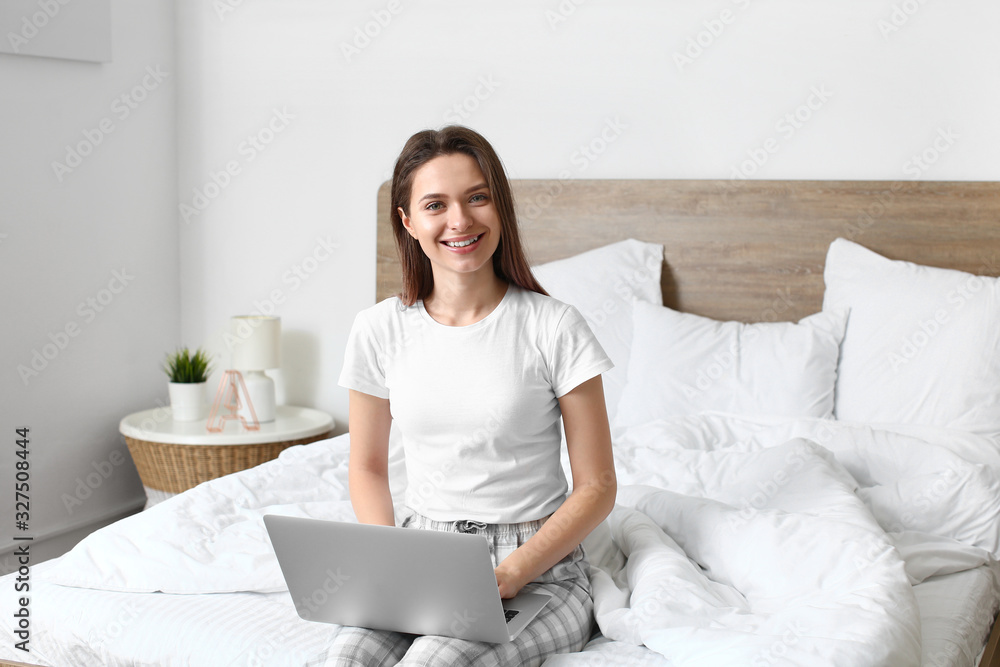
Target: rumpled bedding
739, 542
211, 539
733, 541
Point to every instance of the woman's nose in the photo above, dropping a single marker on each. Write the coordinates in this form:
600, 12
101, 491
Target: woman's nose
459, 218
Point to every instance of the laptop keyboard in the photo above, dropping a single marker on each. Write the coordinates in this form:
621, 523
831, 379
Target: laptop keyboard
509, 614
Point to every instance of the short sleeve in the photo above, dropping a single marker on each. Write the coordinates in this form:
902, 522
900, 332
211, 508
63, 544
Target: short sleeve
576, 356
363, 370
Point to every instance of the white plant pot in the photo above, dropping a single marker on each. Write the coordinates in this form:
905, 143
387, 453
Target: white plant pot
187, 401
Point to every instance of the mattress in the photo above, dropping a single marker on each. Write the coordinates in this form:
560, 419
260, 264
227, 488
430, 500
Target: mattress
956, 614
113, 628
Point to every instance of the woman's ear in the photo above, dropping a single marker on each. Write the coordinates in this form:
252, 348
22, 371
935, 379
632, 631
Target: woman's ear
406, 221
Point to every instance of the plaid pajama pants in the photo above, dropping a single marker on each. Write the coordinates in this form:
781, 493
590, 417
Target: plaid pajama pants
564, 625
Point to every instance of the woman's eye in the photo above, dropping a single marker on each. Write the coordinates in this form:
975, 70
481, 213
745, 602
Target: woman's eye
434, 205
478, 198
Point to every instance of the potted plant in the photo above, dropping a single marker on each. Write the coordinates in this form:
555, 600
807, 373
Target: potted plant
188, 375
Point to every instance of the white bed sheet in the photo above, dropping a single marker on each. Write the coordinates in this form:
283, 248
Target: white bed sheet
956, 611
100, 627
956, 614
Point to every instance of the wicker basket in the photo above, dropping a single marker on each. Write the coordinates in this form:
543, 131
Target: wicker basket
176, 468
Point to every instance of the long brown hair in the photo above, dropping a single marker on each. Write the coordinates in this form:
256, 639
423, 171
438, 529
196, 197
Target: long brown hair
509, 262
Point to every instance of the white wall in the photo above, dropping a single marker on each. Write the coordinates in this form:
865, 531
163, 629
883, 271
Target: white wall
64, 235
541, 81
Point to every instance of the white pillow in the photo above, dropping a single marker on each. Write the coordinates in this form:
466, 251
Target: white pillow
602, 284
922, 343
683, 364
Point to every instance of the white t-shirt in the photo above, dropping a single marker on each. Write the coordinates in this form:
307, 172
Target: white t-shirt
476, 406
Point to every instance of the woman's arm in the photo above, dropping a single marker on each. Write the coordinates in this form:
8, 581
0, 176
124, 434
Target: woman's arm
369, 420
588, 440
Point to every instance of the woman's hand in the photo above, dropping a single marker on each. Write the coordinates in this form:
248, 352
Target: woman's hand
508, 581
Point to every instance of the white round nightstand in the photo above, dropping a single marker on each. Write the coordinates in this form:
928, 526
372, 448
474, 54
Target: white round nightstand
172, 457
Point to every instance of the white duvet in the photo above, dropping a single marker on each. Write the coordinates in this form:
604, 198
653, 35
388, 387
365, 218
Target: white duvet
733, 541
752, 544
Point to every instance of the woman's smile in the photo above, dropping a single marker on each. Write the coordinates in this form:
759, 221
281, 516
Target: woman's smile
464, 244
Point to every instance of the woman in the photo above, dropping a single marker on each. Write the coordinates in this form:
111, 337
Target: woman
477, 364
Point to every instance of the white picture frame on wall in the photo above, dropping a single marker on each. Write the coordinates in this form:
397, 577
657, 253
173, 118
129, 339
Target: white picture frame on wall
71, 29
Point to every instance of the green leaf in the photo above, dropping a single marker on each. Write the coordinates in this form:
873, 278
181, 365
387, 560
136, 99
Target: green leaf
182, 366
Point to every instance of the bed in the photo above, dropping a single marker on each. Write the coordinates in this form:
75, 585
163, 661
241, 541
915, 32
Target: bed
793, 503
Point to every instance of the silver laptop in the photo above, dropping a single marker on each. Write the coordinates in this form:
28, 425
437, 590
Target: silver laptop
424, 582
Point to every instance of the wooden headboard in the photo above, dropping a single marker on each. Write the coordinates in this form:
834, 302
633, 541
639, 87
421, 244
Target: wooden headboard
732, 249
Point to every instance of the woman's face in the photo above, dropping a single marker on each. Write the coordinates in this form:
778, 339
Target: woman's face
453, 216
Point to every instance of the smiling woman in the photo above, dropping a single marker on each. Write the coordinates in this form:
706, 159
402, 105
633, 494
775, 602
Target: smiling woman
437, 157
456, 224
481, 368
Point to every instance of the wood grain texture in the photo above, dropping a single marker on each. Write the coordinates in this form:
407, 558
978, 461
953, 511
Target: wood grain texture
747, 250
991, 654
